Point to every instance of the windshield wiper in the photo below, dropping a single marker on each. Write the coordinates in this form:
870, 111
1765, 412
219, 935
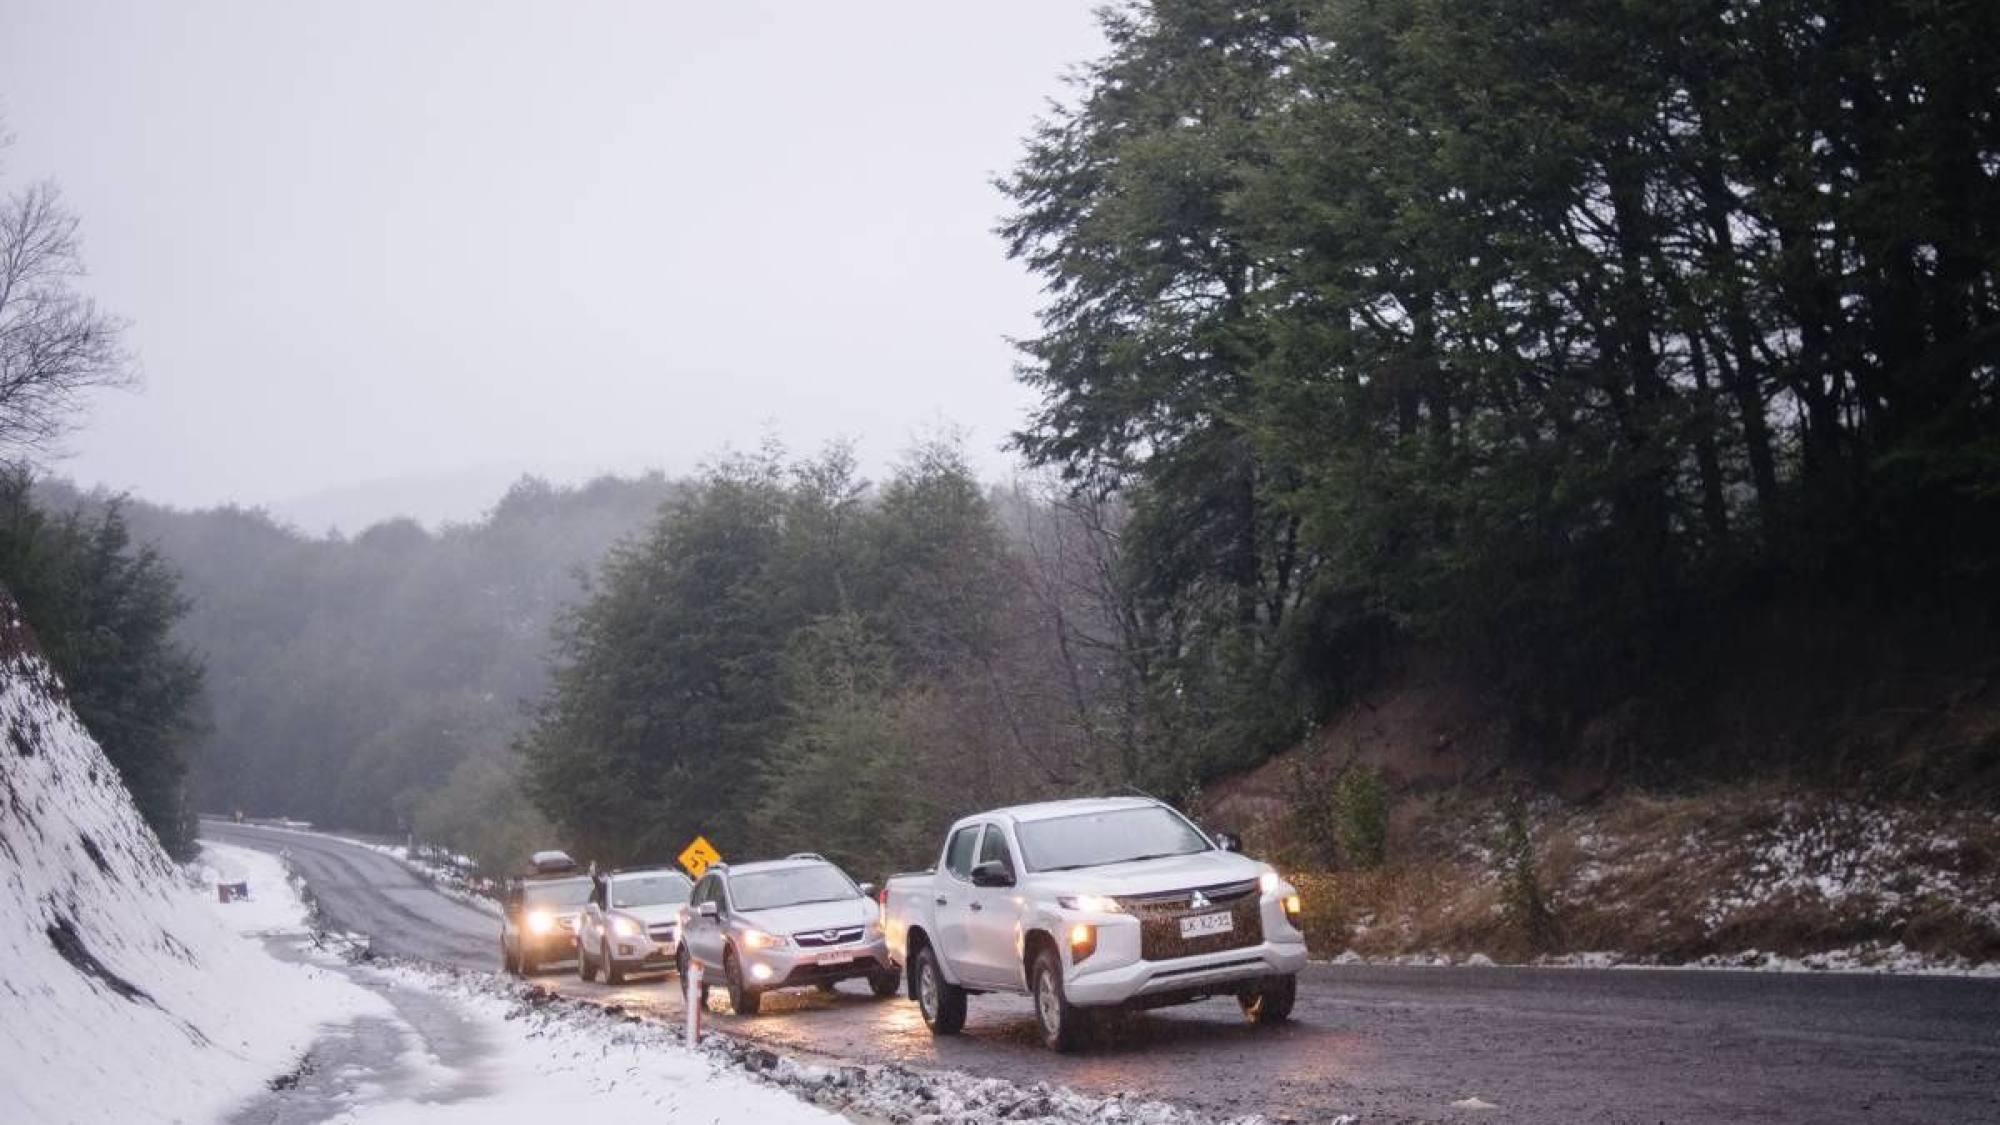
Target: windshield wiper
1109, 862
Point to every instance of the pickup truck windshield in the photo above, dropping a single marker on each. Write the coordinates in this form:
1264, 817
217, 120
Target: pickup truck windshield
767, 890
1094, 839
650, 890
556, 893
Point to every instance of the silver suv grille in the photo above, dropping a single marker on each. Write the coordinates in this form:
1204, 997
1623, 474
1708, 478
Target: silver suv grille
816, 939
661, 933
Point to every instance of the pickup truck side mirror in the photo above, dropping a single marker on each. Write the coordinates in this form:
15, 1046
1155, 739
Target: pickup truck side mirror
867, 890
992, 873
1229, 841
707, 910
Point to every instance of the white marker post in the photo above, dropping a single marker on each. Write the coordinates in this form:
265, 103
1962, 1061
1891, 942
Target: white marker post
691, 1000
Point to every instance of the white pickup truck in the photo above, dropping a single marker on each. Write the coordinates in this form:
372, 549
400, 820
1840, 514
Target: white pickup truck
1090, 904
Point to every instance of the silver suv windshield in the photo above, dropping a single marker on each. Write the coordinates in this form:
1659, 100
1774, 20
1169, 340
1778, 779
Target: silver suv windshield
650, 890
556, 893
1064, 843
790, 886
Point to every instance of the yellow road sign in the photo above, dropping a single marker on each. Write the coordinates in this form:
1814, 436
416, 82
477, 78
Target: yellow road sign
697, 856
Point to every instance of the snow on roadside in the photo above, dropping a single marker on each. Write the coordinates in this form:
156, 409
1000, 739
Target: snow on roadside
444, 880
564, 1041
544, 1067
535, 1068
128, 998
1873, 960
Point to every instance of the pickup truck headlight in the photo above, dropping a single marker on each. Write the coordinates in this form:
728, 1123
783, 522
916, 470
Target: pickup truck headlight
1268, 882
1090, 904
758, 939
1082, 942
625, 927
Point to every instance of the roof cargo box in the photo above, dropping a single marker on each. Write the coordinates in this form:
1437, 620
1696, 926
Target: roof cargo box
552, 863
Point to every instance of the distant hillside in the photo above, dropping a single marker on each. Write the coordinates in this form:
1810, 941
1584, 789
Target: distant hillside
347, 677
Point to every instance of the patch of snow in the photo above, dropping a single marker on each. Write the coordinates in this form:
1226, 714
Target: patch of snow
128, 997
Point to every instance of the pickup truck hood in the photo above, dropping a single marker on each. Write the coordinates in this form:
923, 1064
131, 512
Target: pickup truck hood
1152, 876
809, 916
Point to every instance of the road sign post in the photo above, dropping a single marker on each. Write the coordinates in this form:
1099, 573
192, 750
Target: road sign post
691, 1000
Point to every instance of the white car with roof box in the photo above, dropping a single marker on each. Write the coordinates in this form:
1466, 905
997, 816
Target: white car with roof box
1092, 904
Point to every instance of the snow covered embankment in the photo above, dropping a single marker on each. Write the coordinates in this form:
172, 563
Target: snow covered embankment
128, 998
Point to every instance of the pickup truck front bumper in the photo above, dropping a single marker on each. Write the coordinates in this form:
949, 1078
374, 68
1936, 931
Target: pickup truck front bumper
1117, 972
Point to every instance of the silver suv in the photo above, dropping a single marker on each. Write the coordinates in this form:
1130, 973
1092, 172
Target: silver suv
631, 923
783, 924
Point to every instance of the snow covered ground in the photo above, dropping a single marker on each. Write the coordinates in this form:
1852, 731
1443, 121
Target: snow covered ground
133, 994
492, 1066
128, 996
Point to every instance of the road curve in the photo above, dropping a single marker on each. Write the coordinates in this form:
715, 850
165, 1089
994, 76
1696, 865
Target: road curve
1389, 1044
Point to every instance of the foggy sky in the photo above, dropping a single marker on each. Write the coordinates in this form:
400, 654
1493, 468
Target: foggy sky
422, 243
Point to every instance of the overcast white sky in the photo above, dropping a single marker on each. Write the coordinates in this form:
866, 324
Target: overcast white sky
430, 245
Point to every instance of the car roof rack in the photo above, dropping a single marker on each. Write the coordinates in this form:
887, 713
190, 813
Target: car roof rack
808, 855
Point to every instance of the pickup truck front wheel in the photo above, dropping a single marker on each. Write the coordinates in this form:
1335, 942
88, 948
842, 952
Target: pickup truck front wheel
941, 1002
1271, 1001
1062, 1023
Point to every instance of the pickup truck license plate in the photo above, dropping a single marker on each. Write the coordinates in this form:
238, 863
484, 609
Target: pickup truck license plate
1207, 925
835, 958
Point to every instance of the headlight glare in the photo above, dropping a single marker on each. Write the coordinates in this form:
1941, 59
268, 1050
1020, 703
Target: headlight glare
540, 921
1268, 881
625, 927
1090, 904
758, 939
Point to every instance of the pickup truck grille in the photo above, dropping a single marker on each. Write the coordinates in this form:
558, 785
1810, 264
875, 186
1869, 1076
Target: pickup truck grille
1160, 920
816, 939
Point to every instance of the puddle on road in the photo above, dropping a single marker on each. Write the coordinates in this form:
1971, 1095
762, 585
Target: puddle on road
429, 1053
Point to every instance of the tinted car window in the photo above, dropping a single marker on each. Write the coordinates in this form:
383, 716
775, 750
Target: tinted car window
994, 847
958, 857
791, 886
649, 890
557, 893
1113, 836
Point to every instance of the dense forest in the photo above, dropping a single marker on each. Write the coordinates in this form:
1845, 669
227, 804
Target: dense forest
374, 682
1622, 358
1559, 337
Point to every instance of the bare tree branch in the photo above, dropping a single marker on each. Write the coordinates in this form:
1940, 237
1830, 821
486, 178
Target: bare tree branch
55, 343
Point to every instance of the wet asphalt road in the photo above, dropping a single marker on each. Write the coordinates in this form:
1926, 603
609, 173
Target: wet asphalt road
1388, 1044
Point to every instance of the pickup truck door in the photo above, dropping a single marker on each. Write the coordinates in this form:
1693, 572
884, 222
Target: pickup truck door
951, 891
992, 920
